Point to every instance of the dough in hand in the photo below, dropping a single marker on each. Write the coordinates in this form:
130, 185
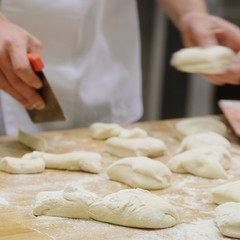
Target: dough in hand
229, 192
211, 60
199, 125
73, 202
134, 208
104, 131
203, 140
131, 147
208, 162
228, 219
21, 166
77, 160
140, 172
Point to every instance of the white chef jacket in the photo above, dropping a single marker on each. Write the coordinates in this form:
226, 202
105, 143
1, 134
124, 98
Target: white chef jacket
91, 51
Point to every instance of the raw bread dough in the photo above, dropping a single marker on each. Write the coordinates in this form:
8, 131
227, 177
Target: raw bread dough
134, 208
107, 130
73, 202
228, 219
199, 125
211, 60
208, 162
18, 165
203, 139
149, 147
77, 160
140, 172
229, 192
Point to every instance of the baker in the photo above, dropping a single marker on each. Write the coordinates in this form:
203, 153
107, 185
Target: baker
92, 57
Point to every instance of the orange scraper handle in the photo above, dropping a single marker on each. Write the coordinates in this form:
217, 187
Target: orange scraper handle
36, 62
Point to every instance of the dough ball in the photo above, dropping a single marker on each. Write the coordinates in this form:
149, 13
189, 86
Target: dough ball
77, 160
229, 192
228, 219
140, 172
212, 60
133, 133
199, 125
134, 208
124, 147
18, 165
208, 162
203, 140
73, 202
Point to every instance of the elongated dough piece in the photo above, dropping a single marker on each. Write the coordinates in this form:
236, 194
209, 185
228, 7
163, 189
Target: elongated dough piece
140, 172
134, 208
21, 166
229, 192
149, 147
77, 160
212, 60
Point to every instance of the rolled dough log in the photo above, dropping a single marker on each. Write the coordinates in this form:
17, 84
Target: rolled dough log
21, 166
228, 219
212, 60
140, 172
77, 160
149, 147
229, 192
134, 208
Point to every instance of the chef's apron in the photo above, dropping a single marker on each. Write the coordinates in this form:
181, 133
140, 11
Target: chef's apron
91, 50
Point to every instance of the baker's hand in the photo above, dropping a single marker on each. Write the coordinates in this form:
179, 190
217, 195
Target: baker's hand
16, 75
202, 29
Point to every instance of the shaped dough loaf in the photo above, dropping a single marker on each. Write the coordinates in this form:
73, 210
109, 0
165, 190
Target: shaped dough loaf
199, 125
212, 60
140, 172
73, 202
208, 162
203, 140
228, 219
21, 166
149, 147
229, 192
77, 160
107, 130
134, 208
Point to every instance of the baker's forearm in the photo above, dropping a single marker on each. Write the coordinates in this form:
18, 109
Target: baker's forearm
176, 9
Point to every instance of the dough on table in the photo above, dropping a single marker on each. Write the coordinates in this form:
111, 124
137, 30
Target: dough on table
211, 60
135, 147
21, 166
203, 139
104, 131
199, 125
229, 192
134, 208
72, 202
140, 172
77, 160
208, 162
228, 219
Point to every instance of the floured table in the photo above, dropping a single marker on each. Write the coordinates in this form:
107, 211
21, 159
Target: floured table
190, 194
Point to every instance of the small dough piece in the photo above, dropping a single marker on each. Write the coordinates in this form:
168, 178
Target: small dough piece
134, 208
228, 219
73, 202
135, 147
203, 140
77, 160
140, 172
208, 162
211, 60
133, 133
229, 192
21, 166
199, 125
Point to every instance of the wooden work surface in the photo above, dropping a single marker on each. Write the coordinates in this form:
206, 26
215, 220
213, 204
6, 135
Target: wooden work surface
190, 194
